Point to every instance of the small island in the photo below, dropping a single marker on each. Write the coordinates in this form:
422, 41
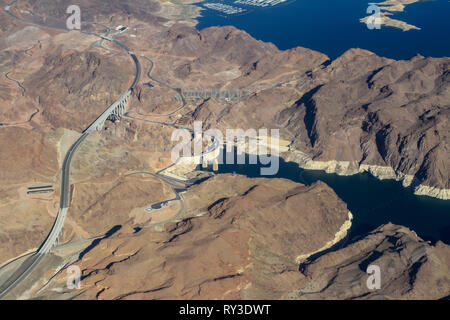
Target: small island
389, 7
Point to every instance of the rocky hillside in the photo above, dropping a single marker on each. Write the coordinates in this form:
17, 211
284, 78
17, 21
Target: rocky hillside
389, 117
410, 268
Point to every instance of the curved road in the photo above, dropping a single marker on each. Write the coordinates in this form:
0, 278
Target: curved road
178, 91
21, 87
175, 189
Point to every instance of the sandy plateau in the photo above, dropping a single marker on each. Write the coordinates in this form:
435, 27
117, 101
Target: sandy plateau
237, 237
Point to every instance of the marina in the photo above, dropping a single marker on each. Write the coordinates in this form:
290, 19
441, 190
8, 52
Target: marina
259, 3
223, 8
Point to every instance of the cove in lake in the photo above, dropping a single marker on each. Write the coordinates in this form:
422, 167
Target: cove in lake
373, 202
332, 27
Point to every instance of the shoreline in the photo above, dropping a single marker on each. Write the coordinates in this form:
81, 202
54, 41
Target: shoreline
345, 168
338, 237
186, 165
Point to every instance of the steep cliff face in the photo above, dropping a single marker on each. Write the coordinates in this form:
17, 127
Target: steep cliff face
409, 268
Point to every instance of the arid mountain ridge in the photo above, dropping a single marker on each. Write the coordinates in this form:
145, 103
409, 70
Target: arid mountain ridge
358, 112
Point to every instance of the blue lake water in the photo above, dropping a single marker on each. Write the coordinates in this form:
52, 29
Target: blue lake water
332, 27
373, 202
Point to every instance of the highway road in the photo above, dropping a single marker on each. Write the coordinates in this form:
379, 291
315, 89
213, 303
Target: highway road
28, 265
